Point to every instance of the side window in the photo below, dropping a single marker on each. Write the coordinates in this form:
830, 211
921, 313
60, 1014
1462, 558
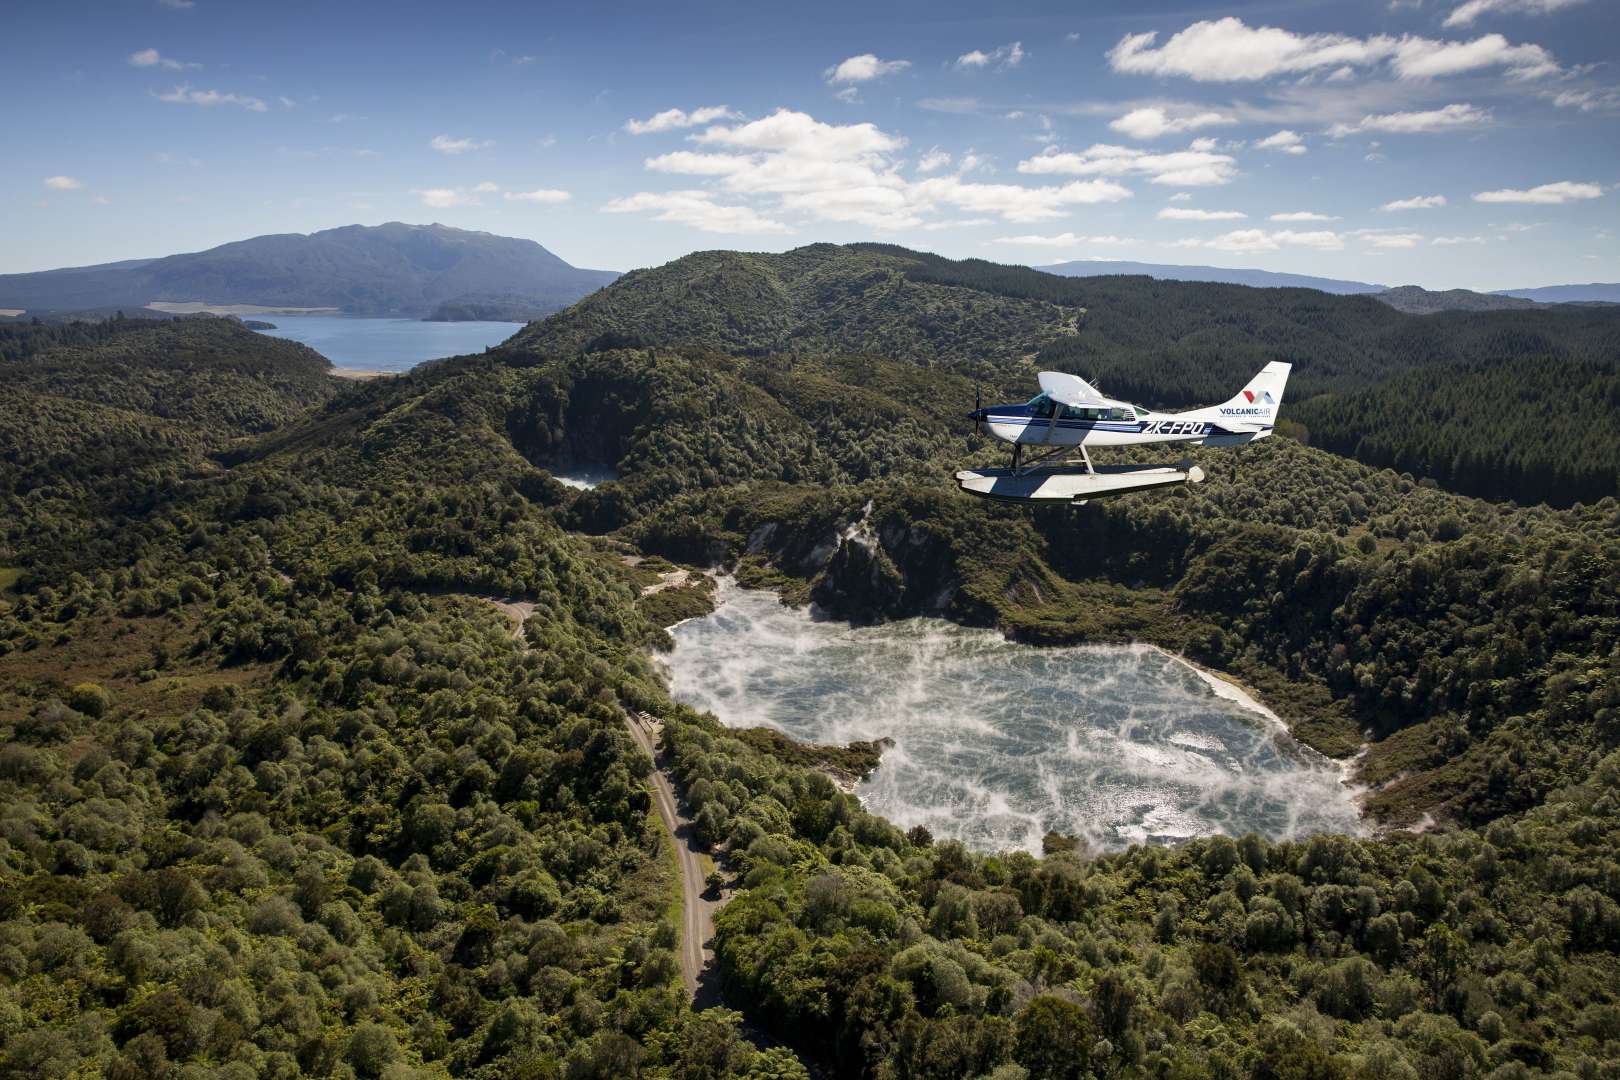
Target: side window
1043, 407
1119, 414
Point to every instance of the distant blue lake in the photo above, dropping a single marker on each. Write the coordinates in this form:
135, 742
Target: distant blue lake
352, 341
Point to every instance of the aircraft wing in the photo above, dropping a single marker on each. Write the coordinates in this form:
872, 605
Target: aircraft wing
1071, 390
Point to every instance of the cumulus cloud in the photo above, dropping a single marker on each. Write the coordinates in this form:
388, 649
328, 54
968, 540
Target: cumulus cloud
1587, 100
441, 198
1555, 194
152, 58
1387, 241
185, 95
1453, 241
63, 183
548, 196
933, 161
1229, 50
1449, 118
1183, 213
1416, 202
1245, 241
1302, 215
1284, 142
697, 209
670, 119
1004, 56
1465, 14
444, 144
850, 173
1150, 122
1063, 240
1423, 58
863, 68
1197, 166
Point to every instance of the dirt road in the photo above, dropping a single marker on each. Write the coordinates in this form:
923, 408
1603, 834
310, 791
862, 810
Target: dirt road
697, 911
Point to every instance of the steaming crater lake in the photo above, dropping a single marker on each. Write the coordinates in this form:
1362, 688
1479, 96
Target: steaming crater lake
359, 343
997, 742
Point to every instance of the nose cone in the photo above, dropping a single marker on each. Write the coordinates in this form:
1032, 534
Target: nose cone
977, 416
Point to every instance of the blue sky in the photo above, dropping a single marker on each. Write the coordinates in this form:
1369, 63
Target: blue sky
1470, 143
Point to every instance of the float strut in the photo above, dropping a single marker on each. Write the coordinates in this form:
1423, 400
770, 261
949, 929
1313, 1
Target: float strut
1087, 456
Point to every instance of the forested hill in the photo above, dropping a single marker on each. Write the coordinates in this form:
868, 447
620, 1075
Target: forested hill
280, 794
1167, 343
384, 269
1163, 343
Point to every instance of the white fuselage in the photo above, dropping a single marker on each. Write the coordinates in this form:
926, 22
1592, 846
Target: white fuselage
1045, 423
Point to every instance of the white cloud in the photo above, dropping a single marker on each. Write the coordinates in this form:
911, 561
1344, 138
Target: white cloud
1555, 194
178, 5
1392, 241
1302, 215
851, 173
1588, 100
1150, 122
1449, 118
1465, 14
802, 134
287, 102
549, 196
1229, 50
1005, 56
444, 144
184, 95
488, 187
102, 200
1424, 58
63, 183
1182, 213
863, 68
934, 160
152, 58
697, 209
441, 198
1416, 202
1180, 196
1198, 166
1252, 240
1284, 141
1453, 241
670, 119
1063, 240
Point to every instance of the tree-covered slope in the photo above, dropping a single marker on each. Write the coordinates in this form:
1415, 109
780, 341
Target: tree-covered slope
1545, 431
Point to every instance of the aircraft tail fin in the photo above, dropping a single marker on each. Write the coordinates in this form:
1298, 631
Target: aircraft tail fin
1258, 402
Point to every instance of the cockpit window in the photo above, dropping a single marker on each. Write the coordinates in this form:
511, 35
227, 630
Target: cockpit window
1040, 406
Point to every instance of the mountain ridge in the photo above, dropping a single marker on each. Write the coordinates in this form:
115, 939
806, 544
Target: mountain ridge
1261, 279
389, 269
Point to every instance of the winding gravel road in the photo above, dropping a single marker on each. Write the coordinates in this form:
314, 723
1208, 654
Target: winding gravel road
697, 912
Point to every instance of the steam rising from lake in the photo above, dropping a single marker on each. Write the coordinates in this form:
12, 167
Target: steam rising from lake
996, 742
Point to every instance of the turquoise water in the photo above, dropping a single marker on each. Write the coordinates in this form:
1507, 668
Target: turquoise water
997, 742
368, 344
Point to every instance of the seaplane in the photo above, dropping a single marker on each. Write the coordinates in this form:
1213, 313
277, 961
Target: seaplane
1071, 416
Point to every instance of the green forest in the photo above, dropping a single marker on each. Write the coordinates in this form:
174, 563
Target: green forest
283, 794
